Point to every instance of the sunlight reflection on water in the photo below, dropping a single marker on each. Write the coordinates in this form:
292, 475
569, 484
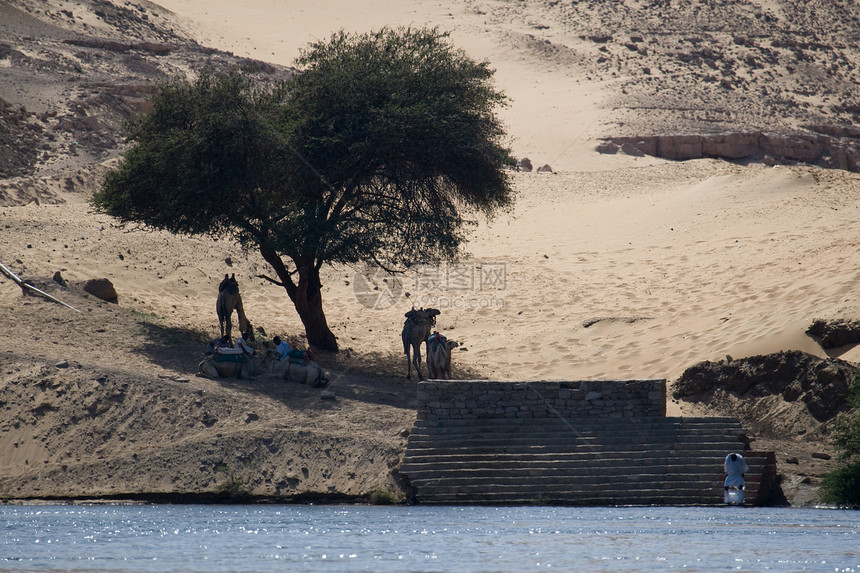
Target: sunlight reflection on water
192, 538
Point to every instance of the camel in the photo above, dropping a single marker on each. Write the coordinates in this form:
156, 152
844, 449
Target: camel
241, 366
439, 356
300, 371
228, 300
303, 372
416, 329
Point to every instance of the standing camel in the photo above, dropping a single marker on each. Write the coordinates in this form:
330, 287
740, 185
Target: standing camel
229, 299
416, 329
439, 356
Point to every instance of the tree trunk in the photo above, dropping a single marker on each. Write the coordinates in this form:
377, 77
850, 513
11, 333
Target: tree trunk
306, 297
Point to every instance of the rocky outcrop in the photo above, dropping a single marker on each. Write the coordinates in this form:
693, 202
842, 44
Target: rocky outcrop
835, 333
836, 147
821, 384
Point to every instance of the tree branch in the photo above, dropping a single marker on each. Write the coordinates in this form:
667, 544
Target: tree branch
271, 280
26, 286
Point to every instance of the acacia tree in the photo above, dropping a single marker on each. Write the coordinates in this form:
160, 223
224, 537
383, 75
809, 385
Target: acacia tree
378, 150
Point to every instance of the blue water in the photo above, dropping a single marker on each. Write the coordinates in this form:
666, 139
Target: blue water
195, 538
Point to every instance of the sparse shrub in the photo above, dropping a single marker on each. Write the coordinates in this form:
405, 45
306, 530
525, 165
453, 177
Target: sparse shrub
380, 497
842, 486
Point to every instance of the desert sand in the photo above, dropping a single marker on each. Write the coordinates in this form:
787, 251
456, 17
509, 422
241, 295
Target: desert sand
611, 266
685, 262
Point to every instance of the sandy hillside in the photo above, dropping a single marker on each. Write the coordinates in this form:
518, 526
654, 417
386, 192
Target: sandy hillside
611, 266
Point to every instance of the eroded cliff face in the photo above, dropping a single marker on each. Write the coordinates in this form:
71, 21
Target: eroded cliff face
826, 146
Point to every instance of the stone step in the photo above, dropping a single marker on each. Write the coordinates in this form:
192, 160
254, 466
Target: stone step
454, 425
701, 484
414, 468
575, 430
562, 470
538, 453
568, 442
618, 466
606, 494
718, 450
469, 440
596, 475
566, 461
614, 497
580, 484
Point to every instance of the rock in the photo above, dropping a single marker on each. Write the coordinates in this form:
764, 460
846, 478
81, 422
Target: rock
792, 460
58, 278
525, 164
632, 150
327, 395
607, 148
251, 417
62, 364
834, 333
820, 456
101, 288
544, 169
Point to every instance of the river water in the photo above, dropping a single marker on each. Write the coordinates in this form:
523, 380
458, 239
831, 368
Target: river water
254, 538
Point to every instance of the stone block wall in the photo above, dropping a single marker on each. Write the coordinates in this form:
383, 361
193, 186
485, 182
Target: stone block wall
602, 399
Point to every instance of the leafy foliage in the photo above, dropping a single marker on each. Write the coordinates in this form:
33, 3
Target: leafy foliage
846, 435
842, 486
399, 130
378, 150
197, 160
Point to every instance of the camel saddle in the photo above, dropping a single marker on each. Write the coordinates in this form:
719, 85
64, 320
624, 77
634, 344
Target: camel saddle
229, 355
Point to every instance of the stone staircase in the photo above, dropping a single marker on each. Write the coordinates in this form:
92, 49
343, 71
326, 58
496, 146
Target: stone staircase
556, 461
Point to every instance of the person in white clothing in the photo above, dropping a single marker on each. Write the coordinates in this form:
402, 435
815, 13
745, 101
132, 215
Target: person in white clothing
242, 344
735, 467
281, 347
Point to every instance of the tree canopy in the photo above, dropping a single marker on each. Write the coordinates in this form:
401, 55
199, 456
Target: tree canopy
378, 149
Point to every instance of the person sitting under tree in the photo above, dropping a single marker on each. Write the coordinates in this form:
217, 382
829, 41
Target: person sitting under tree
281, 347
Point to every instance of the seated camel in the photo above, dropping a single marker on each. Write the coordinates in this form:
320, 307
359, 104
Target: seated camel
227, 364
302, 371
419, 323
229, 300
439, 356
